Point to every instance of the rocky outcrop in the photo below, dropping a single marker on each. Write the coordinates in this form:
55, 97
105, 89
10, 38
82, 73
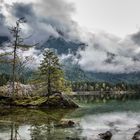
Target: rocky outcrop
21, 90
54, 101
70, 138
66, 124
26, 96
106, 136
60, 101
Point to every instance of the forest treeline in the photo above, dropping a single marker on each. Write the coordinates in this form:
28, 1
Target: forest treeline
50, 76
103, 86
84, 85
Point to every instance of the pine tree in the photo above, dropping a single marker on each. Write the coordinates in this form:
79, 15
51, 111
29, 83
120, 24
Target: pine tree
51, 73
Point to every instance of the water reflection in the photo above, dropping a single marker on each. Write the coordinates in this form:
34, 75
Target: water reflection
31, 124
14, 131
34, 124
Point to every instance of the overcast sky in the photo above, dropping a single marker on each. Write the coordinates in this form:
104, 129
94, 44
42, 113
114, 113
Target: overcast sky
109, 28
119, 17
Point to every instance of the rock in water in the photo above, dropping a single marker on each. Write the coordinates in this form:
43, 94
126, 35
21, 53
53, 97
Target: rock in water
71, 123
69, 138
136, 136
66, 124
106, 136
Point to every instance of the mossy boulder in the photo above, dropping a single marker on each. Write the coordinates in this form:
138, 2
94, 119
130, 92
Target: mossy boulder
40, 102
59, 101
66, 124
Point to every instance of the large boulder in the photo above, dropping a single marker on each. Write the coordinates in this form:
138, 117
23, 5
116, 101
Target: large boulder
59, 100
21, 90
66, 124
53, 101
106, 136
136, 136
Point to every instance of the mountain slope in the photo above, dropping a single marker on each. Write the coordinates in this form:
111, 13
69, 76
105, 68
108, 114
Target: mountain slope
62, 46
73, 72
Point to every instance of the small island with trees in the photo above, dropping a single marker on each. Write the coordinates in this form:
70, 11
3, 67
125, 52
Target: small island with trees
48, 86
69, 70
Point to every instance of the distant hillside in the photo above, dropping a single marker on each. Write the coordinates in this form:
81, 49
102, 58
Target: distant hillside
62, 46
133, 78
73, 72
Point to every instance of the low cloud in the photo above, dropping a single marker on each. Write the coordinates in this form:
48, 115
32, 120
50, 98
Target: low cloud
107, 53
136, 38
46, 18
103, 53
3, 28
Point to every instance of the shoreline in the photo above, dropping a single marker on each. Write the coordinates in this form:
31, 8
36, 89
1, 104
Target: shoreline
37, 102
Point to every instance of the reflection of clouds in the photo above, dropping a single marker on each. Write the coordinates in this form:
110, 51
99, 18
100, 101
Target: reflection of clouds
103, 53
23, 133
43, 18
122, 125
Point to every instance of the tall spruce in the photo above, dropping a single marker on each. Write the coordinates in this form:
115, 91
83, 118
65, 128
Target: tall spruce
51, 72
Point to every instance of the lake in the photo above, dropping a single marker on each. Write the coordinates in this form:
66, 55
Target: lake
121, 118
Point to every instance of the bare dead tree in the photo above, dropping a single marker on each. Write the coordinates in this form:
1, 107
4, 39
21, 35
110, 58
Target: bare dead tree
18, 42
15, 31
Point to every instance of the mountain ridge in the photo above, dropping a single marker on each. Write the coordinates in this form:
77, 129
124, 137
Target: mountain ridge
73, 72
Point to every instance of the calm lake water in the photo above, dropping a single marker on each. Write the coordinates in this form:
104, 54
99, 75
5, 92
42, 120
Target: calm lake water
121, 118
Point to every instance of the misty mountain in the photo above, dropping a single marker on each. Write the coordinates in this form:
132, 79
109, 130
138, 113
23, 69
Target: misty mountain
73, 72
62, 46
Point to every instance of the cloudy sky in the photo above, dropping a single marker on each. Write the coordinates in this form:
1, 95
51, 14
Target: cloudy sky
119, 17
110, 28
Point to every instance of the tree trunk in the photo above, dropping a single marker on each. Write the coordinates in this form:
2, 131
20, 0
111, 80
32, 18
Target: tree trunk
14, 60
12, 132
49, 81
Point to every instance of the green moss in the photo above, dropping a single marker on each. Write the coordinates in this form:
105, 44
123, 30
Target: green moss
52, 101
35, 101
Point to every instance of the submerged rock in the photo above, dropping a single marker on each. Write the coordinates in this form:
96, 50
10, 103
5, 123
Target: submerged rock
71, 123
66, 124
106, 136
136, 136
75, 138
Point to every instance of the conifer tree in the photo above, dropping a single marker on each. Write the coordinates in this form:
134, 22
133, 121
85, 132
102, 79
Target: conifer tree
51, 73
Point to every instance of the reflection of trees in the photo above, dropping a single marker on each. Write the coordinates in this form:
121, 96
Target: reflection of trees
42, 123
42, 132
33, 116
14, 131
46, 131
50, 132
